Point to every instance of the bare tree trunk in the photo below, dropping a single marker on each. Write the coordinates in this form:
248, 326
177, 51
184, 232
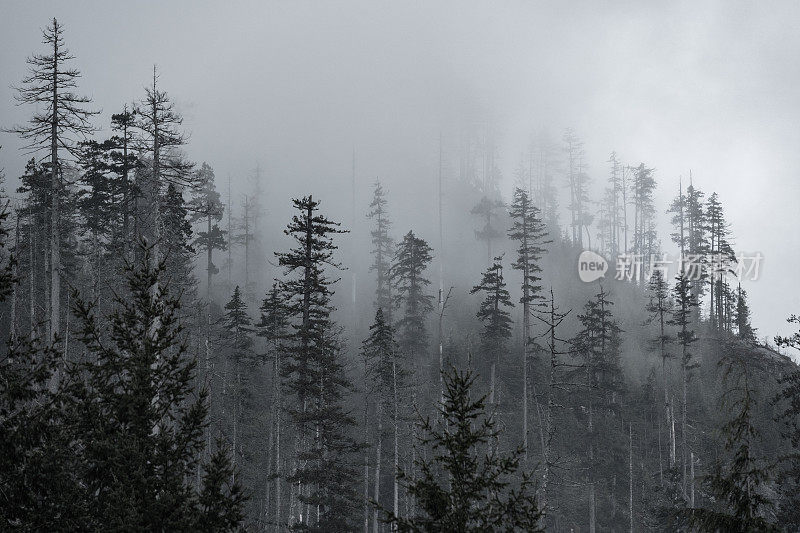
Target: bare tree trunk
592, 499
684, 435
630, 475
55, 192
691, 486
31, 277
13, 320
210, 263
396, 488
276, 414
672, 439
378, 447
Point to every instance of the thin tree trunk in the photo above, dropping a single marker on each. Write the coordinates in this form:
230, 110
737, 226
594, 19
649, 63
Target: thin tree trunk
377, 490
14, 285
396, 501
55, 192
630, 475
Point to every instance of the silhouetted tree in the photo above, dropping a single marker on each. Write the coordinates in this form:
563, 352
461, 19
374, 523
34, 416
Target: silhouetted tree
460, 487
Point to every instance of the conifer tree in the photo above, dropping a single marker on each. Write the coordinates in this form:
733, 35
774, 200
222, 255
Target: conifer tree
314, 375
738, 483
32, 251
273, 327
485, 209
61, 119
597, 345
382, 246
99, 204
578, 181
139, 423
387, 380
682, 314
496, 322
411, 259
159, 141
722, 257
460, 487
643, 186
125, 160
788, 402
175, 243
530, 232
237, 327
659, 308
744, 329
544, 193
206, 207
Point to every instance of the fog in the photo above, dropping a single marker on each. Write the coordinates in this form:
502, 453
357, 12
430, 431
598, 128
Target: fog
297, 88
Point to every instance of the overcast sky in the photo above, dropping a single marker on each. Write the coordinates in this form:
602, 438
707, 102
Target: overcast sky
709, 87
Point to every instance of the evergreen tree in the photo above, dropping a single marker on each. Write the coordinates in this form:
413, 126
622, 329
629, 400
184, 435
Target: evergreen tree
738, 485
32, 251
381, 250
60, 119
387, 380
237, 330
220, 500
138, 420
721, 256
273, 327
124, 160
578, 181
659, 308
206, 207
643, 186
530, 232
486, 209
744, 329
411, 259
597, 346
159, 141
314, 375
496, 321
242, 397
681, 318
460, 488
175, 244
788, 402
544, 193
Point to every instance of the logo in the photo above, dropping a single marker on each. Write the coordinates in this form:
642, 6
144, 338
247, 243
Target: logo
591, 266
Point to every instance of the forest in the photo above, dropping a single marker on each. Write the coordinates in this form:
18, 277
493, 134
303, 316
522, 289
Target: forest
177, 357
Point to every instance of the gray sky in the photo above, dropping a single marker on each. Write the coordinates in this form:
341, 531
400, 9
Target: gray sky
703, 86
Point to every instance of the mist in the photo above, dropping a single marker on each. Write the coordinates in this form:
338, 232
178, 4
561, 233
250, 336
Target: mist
444, 104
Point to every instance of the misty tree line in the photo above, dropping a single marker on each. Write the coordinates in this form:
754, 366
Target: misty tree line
134, 397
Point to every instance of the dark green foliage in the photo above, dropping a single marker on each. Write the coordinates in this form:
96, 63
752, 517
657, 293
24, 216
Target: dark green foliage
460, 487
